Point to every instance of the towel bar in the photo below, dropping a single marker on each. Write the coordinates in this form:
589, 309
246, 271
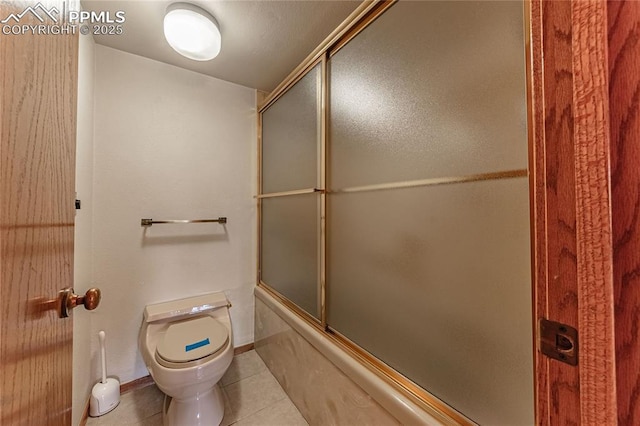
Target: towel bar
149, 222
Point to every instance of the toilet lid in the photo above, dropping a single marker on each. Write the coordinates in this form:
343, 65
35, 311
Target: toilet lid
192, 339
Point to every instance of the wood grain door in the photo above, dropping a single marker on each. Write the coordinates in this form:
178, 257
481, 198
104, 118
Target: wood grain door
37, 162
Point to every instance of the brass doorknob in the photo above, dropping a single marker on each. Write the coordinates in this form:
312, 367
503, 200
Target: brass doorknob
68, 300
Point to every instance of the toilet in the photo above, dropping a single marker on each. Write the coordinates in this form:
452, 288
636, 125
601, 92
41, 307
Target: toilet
187, 345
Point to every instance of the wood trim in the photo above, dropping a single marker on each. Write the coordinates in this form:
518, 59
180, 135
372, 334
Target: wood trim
553, 197
136, 384
242, 349
85, 413
593, 221
571, 207
560, 203
624, 104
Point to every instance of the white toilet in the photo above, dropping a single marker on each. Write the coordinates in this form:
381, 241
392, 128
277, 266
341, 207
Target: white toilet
187, 345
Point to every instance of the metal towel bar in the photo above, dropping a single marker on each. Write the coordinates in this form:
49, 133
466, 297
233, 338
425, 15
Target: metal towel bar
149, 222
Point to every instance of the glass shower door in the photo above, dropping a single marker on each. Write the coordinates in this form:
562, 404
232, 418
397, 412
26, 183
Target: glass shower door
428, 263
289, 240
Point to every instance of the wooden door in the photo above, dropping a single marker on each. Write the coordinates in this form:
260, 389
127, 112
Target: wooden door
38, 74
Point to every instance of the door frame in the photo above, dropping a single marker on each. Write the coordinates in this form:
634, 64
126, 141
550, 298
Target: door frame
624, 80
571, 206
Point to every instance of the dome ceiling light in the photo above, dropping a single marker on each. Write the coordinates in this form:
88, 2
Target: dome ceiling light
192, 32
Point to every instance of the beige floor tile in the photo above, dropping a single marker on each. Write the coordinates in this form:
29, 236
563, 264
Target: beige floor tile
155, 420
228, 414
244, 365
250, 395
281, 413
133, 408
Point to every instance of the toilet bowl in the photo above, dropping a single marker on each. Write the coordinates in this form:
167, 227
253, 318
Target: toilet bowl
187, 346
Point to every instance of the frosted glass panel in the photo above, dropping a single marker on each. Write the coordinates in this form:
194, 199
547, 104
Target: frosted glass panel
290, 248
290, 133
436, 282
430, 89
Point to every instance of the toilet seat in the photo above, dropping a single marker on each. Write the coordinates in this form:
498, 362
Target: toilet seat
191, 342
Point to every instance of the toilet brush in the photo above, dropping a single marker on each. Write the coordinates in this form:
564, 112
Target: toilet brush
105, 395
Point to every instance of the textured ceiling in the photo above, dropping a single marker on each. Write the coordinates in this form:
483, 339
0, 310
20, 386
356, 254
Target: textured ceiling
262, 41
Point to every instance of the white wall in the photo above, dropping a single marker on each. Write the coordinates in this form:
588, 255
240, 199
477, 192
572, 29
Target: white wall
83, 263
169, 144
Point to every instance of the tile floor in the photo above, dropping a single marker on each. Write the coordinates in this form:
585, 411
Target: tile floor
253, 397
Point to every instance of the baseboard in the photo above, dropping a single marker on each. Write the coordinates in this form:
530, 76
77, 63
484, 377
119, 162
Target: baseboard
242, 349
85, 413
136, 384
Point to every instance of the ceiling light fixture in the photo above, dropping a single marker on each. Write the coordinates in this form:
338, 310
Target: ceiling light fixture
192, 32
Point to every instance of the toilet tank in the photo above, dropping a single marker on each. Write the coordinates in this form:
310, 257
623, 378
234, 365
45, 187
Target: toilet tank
185, 307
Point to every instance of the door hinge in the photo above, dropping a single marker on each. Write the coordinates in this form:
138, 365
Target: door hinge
558, 341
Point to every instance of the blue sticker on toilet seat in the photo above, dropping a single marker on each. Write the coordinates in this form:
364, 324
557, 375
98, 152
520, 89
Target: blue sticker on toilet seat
197, 345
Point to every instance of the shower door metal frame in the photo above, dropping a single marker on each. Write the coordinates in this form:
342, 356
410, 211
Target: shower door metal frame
300, 74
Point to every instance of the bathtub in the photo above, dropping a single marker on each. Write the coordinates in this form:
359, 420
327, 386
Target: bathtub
327, 385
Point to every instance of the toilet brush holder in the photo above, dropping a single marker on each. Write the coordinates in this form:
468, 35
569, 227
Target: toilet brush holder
105, 395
